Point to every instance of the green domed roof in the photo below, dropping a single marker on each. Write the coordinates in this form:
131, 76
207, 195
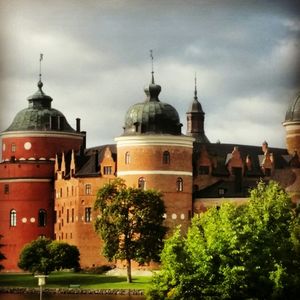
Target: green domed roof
152, 116
293, 112
39, 115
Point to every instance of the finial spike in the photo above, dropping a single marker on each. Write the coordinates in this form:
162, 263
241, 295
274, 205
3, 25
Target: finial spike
41, 58
195, 93
152, 69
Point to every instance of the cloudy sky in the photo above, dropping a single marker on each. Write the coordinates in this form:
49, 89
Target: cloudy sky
96, 61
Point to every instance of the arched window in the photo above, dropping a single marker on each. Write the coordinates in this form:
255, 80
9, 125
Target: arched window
42, 218
179, 184
166, 157
142, 183
127, 158
13, 218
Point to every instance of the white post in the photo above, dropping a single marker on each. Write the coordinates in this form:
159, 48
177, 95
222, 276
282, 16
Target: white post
41, 282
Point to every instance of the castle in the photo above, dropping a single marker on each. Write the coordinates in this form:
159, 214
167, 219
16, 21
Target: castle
49, 179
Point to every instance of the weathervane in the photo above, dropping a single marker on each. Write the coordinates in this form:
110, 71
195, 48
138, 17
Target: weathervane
152, 69
195, 97
41, 58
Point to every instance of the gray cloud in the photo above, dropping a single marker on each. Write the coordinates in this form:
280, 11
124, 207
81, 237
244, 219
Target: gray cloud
96, 61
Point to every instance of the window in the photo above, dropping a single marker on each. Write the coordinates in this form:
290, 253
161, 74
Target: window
6, 188
179, 184
127, 158
67, 191
107, 170
267, 172
166, 157
72, 215
221, 191
72, 189
13, 147
203, 170
67, 216
13, 218
87, 214
88, 189
42, 218
142, 183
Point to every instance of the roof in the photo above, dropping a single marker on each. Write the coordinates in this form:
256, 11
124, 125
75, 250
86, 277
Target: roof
39, 115
152, 116
220, 153
293, 112
88, 162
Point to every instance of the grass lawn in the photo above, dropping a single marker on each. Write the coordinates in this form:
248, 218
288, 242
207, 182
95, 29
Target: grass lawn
86, 281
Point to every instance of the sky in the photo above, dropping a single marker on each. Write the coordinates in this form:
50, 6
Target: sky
96, 62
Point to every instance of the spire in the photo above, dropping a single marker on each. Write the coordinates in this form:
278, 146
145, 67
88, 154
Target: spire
195, 93
40, 83
152, 69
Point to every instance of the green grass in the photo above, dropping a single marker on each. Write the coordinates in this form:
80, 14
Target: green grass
86, 281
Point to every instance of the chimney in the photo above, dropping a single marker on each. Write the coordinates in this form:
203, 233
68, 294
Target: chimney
78, 124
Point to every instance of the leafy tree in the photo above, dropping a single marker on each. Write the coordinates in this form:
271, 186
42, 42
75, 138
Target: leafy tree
64, 256
235, 252
130, 223
42, 256
2, 256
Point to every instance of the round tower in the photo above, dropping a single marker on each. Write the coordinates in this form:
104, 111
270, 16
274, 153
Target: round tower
292, 126
29, 146
152, 153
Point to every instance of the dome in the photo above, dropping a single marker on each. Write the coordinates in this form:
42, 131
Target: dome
39, 115
152, 116
293, 112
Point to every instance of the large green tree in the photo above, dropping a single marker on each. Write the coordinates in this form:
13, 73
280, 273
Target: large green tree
42, 256
130, 223
235, 252
2, 256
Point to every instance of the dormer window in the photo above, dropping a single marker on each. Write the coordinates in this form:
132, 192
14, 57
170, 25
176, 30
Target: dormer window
107, 170
267, 172
203, 170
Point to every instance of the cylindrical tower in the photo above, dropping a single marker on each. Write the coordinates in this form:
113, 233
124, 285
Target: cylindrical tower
292, 126
153, 154
29, 146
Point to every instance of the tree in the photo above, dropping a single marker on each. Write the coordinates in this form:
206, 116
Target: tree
235, 252
2, 256
42, 256
130, 223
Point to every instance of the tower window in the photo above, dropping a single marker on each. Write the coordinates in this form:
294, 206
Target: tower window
127, 158
88, 189
179, 184
142, 183
107, 170
13, 218
6, 188
87, 214
68, 216
13, 147
42, 218
166, 157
